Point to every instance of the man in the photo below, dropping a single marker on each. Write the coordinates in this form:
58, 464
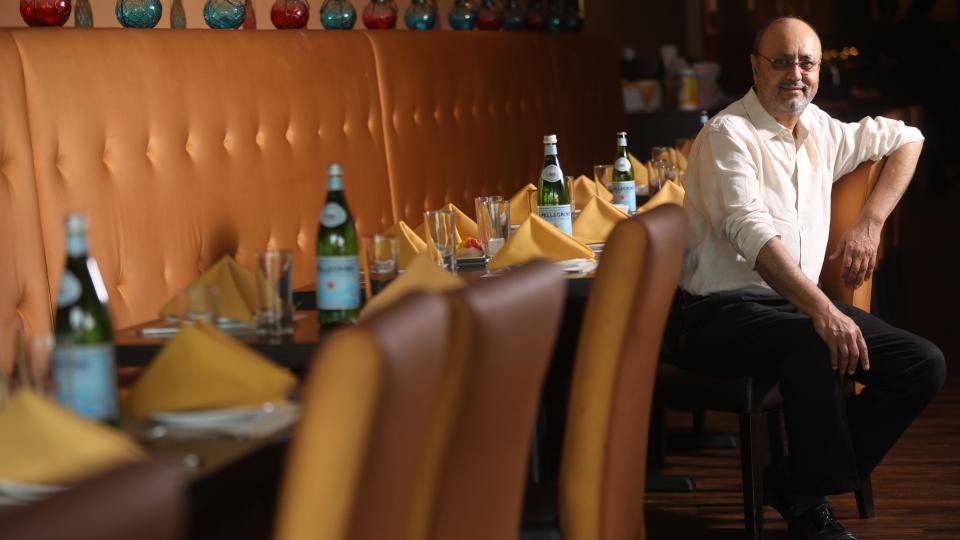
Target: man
758, 199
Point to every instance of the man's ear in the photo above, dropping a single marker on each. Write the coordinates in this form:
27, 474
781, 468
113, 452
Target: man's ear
753, 66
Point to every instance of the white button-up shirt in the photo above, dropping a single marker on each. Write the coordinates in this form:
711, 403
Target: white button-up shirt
749, 180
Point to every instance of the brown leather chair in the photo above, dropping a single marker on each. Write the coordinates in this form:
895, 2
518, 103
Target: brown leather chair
758, 401
502, 335
603, 469
358, 456
142, 501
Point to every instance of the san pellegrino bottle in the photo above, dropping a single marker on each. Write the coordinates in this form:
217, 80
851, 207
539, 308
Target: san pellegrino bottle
553, 193
338, 263
84, 369
624, 185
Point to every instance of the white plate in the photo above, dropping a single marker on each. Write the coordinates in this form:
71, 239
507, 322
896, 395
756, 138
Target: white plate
15, 493
211, 418
576, 265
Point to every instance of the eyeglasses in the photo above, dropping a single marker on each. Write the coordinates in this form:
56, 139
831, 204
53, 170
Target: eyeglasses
780, 64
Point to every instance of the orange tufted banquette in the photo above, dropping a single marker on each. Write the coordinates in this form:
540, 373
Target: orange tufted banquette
183, 146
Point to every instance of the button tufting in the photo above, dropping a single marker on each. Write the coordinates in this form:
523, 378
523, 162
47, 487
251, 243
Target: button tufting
289, 134
261, 138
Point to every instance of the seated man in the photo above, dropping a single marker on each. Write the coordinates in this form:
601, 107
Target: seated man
758, 194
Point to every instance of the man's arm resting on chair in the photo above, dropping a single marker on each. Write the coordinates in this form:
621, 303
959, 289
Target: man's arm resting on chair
842, 335
860, 242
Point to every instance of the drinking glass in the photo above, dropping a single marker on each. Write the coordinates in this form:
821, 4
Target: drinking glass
531, 201
573, 194
493, 220
671, 172
659, 153
383, 260
441, 238
24, 361
275, 291
198, 303
600, 174
657, 179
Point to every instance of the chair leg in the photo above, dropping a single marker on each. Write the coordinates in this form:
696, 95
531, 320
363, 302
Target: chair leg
865, 500
752, 474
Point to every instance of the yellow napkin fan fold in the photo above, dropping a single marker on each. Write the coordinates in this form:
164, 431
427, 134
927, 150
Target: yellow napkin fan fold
519, 207
201, 368
410, 242
237, 291
585, 189
422, 275
597, 221
670, 193
43, 443
538, 239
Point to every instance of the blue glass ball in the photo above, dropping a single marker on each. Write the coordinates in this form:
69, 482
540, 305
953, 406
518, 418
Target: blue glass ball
462, 18
221, 14
139, 13
335, 18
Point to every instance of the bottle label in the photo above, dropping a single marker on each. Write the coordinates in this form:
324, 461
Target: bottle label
86, 380
70, 289
626, 193
551, 173
560, 216
622, 164
338, 282
333, 215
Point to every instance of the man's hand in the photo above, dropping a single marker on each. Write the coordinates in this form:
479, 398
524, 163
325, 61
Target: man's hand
858, 247
844, 340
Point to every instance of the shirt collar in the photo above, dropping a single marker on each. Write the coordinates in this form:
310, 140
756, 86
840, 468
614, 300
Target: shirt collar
766, 124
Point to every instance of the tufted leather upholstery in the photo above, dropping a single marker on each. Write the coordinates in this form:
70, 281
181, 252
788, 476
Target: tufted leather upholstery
476, 127
183, 146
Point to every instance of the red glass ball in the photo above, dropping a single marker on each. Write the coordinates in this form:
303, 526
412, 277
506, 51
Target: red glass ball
489, 19
45, 12
379, 17
289, 14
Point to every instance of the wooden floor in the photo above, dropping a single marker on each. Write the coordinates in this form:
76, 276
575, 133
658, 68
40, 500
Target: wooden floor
917, 487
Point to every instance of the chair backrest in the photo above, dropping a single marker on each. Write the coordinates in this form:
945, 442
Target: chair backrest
502, 335
604, 455
850, 193
357, 456
142, 501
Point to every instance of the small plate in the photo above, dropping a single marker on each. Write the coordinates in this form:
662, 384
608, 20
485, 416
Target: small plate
212, 417
470, 262
576, 266
16, 493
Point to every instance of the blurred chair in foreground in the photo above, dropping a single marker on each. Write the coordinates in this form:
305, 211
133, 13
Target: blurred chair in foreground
502, 336
143, 501
357, 458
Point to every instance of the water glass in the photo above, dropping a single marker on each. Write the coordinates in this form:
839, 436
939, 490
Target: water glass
275, 292
383, 260
658, 177
198, 303
600, 175
573, 194
659, 153
441, 238
493, 220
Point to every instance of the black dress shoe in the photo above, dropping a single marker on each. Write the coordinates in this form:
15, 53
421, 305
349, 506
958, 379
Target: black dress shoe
818, 523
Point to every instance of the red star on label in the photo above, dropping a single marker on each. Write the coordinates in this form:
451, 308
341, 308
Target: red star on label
330, 285
621, 197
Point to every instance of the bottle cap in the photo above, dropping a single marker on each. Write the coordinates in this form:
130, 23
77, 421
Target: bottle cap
550, 139
76, 223
335, 169
621, 134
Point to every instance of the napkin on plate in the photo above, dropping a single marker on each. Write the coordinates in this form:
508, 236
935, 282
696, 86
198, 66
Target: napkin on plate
519, 208
410, 242
538, 239
585, 189
201, 369
422, 275
670, 193
237, 291
596, 221
43, 443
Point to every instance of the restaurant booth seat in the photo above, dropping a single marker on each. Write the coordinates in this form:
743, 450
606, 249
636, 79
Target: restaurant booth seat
183, 146
757, 401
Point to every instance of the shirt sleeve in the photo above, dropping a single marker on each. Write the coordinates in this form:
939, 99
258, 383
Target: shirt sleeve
868, 140
731, 192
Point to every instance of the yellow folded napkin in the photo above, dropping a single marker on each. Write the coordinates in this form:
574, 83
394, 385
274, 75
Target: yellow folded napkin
422, 275
538, 239
466, 226
640, 174
519, 208
681, 160
670, 193
201, 368
597, 221
585, 189
410, 242
43, 443
237, 291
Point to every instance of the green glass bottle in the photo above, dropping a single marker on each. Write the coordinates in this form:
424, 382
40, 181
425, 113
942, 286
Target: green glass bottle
624, 183
338, 263
553, 193
84, 369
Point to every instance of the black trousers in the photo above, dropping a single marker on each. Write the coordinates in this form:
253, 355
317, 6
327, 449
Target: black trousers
834, 440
